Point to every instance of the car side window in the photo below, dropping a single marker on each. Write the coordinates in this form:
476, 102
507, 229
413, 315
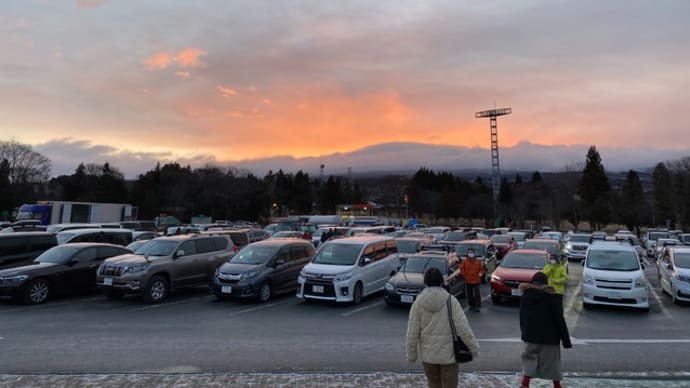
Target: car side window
189, 248
86, 255
368, 252
106, 252
391, 247
284, 254
204, 245
298, 252
220, 243
379, 251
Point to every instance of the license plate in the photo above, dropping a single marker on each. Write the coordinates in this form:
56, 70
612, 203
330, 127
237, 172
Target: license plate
226, 289
406, 298
615, 295
317, 289
516, 292
108, 281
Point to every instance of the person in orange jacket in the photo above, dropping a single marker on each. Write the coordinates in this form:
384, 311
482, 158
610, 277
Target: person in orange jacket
472, 270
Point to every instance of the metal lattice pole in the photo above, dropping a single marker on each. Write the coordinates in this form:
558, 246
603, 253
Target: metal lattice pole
495, 165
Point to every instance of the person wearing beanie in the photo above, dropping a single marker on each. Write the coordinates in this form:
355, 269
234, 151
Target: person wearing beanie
543, 330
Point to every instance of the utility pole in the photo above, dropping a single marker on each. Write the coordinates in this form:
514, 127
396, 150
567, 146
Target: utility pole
495, 166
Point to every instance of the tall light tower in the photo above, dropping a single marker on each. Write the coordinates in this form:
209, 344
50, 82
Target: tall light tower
495, 166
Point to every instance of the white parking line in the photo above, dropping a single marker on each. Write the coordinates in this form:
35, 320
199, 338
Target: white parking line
170, 304
596, 341
260, 307
38, 307
355, 311
573, 307
663, 308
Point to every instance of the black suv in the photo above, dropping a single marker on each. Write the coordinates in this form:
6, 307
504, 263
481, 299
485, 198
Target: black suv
262, 269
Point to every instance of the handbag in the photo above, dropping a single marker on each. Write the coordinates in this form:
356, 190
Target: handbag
462, 352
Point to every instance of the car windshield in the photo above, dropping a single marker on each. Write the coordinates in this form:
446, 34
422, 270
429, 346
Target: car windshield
133, 246
613, 260
434, 230
461, 249
580, 238
501, 239
157, 248
518, 260
518, 236
418, 264
408, 246
682, 260
255, 254
653, 236
552, 248
338, 254
63, 237
454, 236
58, 255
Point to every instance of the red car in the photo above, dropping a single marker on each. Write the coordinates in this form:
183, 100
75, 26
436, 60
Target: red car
518, 266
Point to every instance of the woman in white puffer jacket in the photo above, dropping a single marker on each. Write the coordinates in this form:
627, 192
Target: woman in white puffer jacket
428, 330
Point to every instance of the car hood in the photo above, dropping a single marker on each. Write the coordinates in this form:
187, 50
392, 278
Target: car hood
327, 269
519, 274
236, 268
26, 269
614, 275
129, 259
407, 278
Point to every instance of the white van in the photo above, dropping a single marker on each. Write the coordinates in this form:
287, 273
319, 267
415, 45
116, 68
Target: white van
107, 235
346, 270
613, 275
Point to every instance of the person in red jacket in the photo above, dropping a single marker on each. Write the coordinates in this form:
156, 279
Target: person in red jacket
472, 270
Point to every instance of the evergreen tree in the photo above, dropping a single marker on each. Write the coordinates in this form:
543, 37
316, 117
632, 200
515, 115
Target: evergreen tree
663, 195
632, 201
594, 190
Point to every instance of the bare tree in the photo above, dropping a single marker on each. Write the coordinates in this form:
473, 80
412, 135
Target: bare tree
25, 164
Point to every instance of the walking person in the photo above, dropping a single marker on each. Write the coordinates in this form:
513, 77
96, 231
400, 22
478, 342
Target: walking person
543, 330
429, 334
556, 272
472, 270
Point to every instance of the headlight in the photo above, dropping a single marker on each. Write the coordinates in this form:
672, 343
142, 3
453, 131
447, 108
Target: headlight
14, 279
135, 268
495, 278
641, 282
568, 246
589, 279
343, 277
390, 287
249, 275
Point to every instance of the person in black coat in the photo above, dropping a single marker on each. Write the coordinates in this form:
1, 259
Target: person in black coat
543, 330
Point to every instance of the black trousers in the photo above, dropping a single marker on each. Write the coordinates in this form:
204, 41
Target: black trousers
474, 299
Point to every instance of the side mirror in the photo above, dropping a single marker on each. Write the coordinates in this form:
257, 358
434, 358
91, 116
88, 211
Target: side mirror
365, 260
179, 253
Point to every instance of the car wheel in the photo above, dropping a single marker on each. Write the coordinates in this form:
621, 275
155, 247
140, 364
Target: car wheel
156, 291
37, 291
357, 294
495, 299
264, 292
113, 294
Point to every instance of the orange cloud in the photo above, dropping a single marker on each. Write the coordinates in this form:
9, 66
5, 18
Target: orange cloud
183, 74
189, 57
158, 61
226, 92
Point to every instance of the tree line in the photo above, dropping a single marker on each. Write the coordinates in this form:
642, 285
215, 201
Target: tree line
580, 193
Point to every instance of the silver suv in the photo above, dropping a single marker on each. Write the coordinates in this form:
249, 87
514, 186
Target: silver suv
163, 264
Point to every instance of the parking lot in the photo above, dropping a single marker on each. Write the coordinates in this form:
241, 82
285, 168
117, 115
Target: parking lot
193, 332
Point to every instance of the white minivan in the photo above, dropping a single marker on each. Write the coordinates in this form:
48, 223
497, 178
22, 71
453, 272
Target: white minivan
348, 269
613, 275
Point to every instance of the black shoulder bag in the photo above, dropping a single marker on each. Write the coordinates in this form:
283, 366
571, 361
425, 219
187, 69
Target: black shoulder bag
462, 352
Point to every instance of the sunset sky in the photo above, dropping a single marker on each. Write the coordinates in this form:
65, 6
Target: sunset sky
226, 81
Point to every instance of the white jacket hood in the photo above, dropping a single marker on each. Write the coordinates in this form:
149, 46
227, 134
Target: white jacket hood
433, 299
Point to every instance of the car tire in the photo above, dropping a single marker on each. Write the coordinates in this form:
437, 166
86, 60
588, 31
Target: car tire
113, 294
37, 291
264, 294
495, 299
357, 294
156, 291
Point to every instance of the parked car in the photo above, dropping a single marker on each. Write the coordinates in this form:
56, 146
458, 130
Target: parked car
163, 264
59, 270
143, 235
115, 236
20, 248
484, 250
403, 287
453, 237
651, 238
408, 246
549, 245
631, 239
685, 238
139, 226
576, 247
134, 245
674, 273
436, 232
664, 242
519, 237
517, 266
348, 269
504, 243
263, 269
289, 234
613, 275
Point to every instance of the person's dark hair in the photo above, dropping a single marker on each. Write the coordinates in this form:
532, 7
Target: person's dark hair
433, 277
539, 278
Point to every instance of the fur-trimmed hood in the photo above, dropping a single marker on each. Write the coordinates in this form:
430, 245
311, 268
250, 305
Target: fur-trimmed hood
545, 288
